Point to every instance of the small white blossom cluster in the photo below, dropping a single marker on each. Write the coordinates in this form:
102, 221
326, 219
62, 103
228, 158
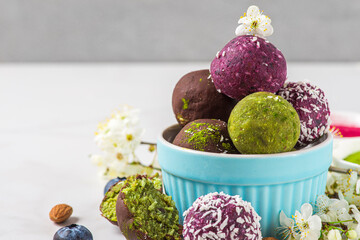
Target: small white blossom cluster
333, 219
118, 137
348, 184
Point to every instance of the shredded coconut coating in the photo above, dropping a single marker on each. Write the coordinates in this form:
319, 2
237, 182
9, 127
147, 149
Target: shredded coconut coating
312, 106
221, 216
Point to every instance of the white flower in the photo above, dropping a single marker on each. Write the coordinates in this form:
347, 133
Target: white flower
121, 134
343, 212
309, 225
254, 23
118, 138
345, 183
334, 234
287, 227
327, 209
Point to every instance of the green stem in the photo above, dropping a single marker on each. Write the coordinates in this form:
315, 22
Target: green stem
339, 222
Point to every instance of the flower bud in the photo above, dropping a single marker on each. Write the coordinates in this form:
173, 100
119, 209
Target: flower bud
334, 234
351, 234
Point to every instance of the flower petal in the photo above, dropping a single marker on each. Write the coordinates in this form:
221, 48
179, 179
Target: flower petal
306, 211
242, 30
244, 20
355, 212
315, 223
253, 11
265, 31
285, 221
313, 235
264, 19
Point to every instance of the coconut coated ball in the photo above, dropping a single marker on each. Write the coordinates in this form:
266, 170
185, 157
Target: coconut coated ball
208, 135
195, 97
248, 64
221, 216
264, 123
312, 107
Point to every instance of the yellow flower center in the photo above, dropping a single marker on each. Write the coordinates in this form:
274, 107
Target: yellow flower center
119, 156
129, 137
254, 24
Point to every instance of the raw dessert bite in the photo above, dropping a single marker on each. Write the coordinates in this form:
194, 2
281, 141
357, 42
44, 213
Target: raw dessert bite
144, 212
264, 123
208, 135
248, 64
195, 97
313, 108
108, 204
221, 216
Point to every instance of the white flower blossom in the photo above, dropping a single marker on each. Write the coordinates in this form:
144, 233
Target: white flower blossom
334, 234
254, 23
309, 225
118, 138
121, 134
328, 209
345, 183
287, 227
343, 213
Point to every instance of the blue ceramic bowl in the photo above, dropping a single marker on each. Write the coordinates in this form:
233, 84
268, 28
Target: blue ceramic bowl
271, 182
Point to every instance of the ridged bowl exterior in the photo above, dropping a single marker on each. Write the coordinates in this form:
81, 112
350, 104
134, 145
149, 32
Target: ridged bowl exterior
271, 182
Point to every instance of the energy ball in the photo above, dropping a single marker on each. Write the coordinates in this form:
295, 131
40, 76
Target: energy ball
108, 204
144, 212
312, 107
208, 135
264, 123
248, 64
195, 97
221, 216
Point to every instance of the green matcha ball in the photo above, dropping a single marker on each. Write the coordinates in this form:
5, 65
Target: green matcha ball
264, 123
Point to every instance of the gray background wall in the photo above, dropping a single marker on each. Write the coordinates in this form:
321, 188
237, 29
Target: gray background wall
170, 30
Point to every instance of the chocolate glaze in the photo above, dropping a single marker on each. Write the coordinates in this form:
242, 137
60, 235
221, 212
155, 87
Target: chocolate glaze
208, 135
195, 97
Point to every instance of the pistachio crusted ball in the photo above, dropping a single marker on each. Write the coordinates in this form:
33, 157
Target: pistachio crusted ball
221, 216
248, 64
195, 97
108, 204
264, 123
312, 106
144, 212
208, 135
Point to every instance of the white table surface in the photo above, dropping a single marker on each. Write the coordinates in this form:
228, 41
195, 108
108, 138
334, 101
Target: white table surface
49, 113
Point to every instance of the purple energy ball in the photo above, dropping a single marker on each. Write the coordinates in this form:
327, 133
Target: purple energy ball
221, 216
312, 106
248, 64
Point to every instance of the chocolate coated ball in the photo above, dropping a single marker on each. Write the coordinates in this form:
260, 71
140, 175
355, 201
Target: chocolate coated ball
195, 97
208, 135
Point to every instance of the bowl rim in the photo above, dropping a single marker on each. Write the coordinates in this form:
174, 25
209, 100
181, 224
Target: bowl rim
328, 137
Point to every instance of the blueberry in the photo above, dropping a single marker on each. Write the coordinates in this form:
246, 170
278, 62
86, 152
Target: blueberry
112, 182
73, 232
